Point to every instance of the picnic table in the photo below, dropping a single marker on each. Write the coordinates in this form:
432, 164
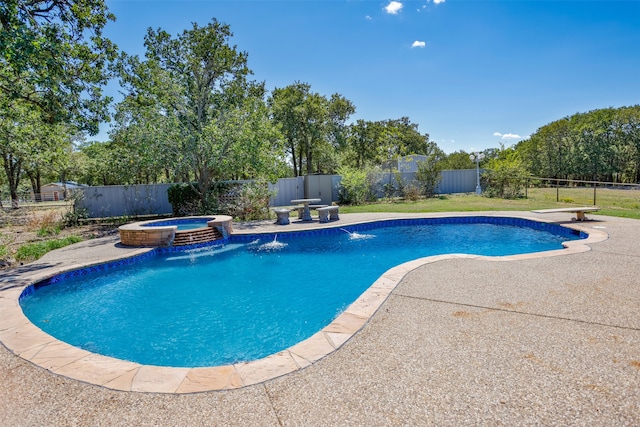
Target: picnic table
306, 213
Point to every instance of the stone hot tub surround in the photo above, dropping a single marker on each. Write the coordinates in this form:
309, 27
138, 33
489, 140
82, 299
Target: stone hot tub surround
166, 232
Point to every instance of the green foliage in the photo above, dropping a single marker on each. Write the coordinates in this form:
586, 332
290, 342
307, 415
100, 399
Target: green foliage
313, 126
52, 69
375, 143
356, 185
393, 185
77, 213
412, 192
32, 251
250, 202
191, 113
4, 249
49, 230
54, 59
429, 175
505, 176
458, 160
47, 224
184, 199
599, 145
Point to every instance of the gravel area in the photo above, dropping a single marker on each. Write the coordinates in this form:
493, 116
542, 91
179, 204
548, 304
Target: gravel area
543, 341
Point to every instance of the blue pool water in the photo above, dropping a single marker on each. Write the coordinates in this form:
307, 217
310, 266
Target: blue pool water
253, 295
183, 224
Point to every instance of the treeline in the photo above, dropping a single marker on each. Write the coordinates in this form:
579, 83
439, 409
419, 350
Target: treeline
599, 145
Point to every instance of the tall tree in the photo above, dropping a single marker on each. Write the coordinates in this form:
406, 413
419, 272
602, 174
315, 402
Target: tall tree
374, 143
191, 101
312, 124
20, 132
55, 58
363, 144
458, 160
600, 144
52, 69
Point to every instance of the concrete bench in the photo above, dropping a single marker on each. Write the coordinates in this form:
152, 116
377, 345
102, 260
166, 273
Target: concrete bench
328, 213
300, 209
579, 211
282, 216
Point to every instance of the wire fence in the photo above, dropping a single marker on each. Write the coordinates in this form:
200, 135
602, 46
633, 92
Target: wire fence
583, 192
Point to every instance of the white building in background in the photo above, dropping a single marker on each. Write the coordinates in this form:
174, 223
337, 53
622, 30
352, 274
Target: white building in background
58, 190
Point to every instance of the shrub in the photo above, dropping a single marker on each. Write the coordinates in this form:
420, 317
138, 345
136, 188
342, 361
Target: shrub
184, 199
394, 187
356, 185
45, 224
77, 212
249, 202
429, 175
506, 176
411, 192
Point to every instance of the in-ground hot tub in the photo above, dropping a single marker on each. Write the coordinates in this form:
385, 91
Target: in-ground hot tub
176, 231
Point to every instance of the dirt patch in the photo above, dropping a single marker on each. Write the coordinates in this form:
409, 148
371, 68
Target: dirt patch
30, 224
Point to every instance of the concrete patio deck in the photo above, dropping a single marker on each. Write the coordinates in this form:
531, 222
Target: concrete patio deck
461, 341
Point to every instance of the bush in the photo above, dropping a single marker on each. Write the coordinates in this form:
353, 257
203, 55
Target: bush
356, 186
394, 187
46, 224
249, 201
428, 175
506, 176
77, 213
184, 199
411, 192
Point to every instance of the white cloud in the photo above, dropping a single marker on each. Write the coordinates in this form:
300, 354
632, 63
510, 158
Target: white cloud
438, 1
418, 44
393, 7
368, 18
507, 135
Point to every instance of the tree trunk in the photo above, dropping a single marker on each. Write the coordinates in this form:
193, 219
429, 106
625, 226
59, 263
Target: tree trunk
36, 184
309, 164
299, 173
12, 169
293, 157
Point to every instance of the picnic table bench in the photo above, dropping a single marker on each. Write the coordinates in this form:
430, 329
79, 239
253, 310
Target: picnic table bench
300, 209
282, 216
328, 213
579, 211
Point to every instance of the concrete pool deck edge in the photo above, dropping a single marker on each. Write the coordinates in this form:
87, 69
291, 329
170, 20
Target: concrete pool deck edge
24, 339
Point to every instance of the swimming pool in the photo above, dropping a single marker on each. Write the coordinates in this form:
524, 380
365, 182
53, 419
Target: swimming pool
257, 289
182, 224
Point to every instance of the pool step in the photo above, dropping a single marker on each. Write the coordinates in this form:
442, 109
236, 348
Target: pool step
193, 237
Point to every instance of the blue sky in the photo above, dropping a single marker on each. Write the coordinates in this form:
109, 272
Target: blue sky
472, 74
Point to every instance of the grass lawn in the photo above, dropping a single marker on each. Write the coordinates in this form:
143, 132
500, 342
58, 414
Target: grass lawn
621, 203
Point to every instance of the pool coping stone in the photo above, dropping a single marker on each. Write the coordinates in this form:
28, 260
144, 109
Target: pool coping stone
29, 342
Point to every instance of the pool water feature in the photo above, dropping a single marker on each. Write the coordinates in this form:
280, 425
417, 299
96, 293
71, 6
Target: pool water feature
253, 295
179, 231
